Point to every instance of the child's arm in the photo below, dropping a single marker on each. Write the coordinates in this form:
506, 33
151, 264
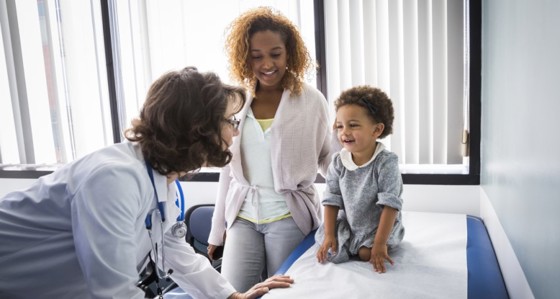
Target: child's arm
379, 249
329, 242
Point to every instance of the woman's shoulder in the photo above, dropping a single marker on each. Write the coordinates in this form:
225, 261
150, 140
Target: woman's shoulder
312, 92
314, 99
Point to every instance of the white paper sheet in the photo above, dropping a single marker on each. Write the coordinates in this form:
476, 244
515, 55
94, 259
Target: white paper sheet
431, 262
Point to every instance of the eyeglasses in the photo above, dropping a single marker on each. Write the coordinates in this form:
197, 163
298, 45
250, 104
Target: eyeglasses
234, 122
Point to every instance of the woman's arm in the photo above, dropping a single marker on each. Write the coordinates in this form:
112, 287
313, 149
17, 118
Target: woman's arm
218, 230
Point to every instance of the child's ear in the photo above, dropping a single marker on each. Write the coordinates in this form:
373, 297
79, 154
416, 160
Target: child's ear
379, 128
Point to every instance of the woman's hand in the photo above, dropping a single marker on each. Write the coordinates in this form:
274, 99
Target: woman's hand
211, 249
329, 244
276, 281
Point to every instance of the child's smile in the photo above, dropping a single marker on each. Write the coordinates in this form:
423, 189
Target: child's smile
357, 132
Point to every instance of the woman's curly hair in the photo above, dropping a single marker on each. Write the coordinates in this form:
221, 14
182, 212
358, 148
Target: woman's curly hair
180, 125
238, 48
377, 104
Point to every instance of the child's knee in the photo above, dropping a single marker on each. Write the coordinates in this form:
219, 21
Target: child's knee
364, 253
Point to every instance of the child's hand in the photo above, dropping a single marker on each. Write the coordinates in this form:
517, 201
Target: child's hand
328, 244
378, 257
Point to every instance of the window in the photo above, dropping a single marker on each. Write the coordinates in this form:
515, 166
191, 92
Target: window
153, 37
413, 50
55, 103
65, 102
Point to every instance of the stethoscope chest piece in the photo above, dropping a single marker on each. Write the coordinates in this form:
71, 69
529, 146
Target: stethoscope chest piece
179, 229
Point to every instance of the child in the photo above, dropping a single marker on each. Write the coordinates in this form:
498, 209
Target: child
364, 182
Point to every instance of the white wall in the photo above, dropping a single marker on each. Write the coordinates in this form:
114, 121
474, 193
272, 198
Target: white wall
7, 185
520, 164
516, 281
422, 198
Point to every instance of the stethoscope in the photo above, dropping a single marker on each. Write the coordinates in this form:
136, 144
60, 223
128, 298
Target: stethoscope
179, 229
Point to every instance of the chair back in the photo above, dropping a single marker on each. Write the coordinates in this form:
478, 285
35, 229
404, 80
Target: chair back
199, 222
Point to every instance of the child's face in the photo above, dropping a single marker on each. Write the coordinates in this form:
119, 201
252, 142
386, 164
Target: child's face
268, 58
356, 131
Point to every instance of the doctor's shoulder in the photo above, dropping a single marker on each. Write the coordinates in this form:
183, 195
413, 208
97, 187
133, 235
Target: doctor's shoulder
114, 169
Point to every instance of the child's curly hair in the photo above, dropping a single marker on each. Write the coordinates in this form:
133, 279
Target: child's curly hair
377, 104
238, 47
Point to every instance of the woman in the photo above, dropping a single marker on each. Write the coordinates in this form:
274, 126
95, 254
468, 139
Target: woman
85, 230
266, 198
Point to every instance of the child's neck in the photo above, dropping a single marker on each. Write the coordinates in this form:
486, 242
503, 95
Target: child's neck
361, 158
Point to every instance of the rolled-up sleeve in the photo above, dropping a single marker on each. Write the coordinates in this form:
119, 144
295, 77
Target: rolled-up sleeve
390, 182
193, 272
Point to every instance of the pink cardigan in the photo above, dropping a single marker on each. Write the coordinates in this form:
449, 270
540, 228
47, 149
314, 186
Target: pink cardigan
300, 145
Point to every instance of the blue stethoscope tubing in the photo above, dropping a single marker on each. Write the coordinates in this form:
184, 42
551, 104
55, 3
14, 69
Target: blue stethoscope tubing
181, 198
179, 229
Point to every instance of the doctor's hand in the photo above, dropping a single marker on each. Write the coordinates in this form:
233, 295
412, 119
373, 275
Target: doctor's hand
276, 281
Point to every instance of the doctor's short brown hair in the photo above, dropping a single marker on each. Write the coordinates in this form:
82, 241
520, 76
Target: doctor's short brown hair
180, 124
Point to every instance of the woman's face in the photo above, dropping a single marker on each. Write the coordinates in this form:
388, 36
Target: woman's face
268, 58
230, 123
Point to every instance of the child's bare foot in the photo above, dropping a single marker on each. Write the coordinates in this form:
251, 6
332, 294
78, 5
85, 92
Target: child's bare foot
364, 253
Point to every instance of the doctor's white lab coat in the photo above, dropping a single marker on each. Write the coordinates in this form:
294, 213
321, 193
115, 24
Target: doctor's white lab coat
80, 233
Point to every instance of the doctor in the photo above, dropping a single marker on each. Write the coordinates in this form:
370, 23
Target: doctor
85, 231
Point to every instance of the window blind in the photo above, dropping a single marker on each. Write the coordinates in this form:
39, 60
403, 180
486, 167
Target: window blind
413, 50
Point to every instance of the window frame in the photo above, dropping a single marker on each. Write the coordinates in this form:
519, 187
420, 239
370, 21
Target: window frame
475, 35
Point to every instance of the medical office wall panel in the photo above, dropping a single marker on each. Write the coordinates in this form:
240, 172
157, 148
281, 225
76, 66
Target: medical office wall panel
520, 165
